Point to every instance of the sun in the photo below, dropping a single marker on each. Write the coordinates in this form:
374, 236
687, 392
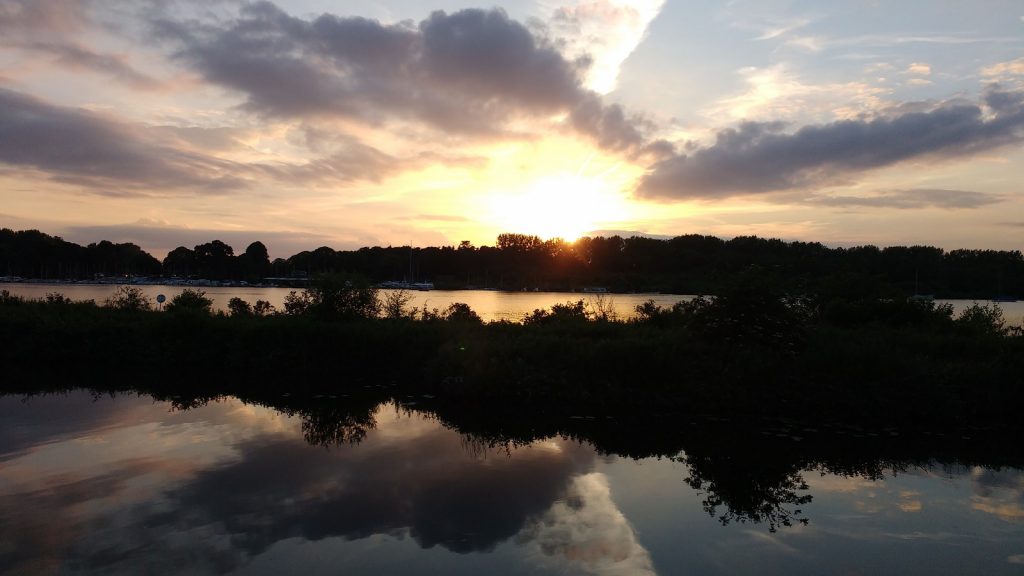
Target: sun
563, 206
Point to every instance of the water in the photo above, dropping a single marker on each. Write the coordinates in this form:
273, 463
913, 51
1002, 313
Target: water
130, 485
490, 305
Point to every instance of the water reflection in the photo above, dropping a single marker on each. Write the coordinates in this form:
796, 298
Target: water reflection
129, 485
94, 501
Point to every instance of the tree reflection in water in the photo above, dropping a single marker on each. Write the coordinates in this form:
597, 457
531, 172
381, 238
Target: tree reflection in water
757, 488
745, 474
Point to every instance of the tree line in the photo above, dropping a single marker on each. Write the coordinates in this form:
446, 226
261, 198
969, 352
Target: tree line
689, 264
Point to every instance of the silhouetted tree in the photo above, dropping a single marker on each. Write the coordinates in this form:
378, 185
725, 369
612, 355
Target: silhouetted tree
190, 301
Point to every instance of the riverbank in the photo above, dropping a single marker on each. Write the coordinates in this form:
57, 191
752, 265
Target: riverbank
878, 364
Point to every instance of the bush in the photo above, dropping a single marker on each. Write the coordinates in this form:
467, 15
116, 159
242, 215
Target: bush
601, 308
568, 312
395, 304
7, 298
262, 308
983, 319
335, 297
239, 307
459, 312
57, 298
129, 298
190, 301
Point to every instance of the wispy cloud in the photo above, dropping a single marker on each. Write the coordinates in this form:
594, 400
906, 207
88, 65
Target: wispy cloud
111, 157
912, 199
77, 57
780, 93
105, 155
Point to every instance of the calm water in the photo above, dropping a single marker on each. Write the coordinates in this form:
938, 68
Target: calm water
490, 305
132, 486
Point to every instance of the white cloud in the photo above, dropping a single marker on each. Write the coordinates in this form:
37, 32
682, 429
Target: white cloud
779, 94
588, 532
1011, 68
607, 31
918, 69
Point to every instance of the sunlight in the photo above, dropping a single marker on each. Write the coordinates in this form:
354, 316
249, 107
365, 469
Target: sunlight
564, 206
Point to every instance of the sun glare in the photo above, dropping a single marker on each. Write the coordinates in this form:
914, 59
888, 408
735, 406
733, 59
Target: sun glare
565, 206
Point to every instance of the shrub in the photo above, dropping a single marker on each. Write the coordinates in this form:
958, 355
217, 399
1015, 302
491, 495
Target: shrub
7, 298
568, 312
395, 304
262, 308
602, 308
983, 318
57, 298
459, 312
129, 298
239, 307
190, 301
335, 297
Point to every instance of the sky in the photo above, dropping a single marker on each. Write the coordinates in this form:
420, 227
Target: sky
307, 123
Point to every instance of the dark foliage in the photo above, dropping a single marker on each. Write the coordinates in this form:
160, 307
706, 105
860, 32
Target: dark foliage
691, 264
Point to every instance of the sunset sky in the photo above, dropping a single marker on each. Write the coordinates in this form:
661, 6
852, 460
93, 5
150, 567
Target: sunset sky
352, 123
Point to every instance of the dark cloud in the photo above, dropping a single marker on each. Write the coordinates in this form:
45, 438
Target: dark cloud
106, 156
114, 158
470, 72
21, 428
428, 483
441, 496
759, 158
917, 198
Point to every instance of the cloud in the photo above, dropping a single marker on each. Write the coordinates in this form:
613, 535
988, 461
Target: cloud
107, 156
757, 158
1004, 69
606, 32
472, 72
63, 16
80, 58
918, 69
442, 497
113, 158
779, 93
912, 199
587, 531
998, 492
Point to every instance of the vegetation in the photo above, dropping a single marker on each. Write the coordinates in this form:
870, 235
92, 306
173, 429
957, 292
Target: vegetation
129, 298
756, 353
690, 264
190, 301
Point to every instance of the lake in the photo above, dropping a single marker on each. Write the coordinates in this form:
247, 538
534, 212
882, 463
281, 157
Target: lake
130, 485
489, 304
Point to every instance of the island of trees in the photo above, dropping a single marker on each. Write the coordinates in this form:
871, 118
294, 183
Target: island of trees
690, 264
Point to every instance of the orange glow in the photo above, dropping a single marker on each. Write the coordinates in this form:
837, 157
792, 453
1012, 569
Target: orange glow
564, 206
